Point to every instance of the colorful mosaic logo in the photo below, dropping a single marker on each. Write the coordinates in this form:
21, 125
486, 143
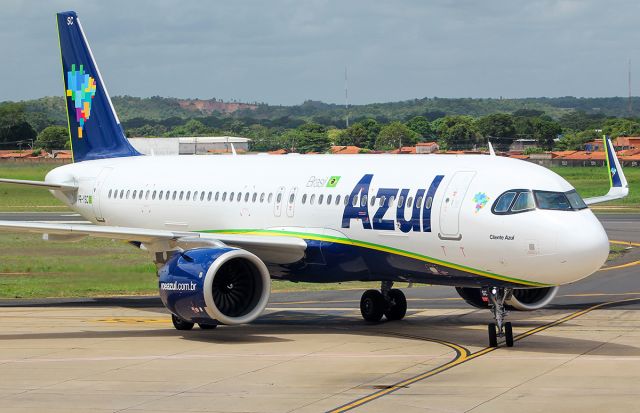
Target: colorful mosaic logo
82, 90
481, 200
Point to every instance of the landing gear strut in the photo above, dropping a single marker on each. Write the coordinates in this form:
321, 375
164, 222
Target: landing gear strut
387, 301
500, 329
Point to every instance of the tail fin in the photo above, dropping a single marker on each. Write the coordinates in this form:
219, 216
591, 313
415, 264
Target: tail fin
93, 124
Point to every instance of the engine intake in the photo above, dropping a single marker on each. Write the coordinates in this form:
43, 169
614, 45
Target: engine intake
522, 299
224, 285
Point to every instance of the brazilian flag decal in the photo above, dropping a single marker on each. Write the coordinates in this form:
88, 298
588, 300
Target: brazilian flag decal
333, 181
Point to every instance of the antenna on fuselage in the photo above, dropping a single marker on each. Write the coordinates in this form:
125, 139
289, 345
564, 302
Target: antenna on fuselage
491, 151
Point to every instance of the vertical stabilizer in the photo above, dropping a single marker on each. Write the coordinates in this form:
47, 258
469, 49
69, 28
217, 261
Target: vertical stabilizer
94, 127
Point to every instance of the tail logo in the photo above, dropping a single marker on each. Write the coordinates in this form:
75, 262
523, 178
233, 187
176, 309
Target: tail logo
81, 90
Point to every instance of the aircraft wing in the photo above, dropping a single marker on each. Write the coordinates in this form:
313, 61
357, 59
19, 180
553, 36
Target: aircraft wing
271, 249
619, 188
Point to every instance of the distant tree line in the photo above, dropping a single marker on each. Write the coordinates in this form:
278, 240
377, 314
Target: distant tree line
315, 126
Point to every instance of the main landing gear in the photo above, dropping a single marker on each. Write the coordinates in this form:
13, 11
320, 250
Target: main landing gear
499, 329
387, 301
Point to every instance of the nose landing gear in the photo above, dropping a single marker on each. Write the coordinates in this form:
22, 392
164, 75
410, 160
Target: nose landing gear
387, 301
500, 329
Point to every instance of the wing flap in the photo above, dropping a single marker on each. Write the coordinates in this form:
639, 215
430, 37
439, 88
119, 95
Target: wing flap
271, 249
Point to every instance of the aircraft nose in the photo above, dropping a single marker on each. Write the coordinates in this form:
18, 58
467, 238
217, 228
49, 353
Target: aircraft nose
584, 246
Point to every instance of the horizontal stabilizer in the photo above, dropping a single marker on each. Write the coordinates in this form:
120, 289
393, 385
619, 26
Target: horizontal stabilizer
40, 184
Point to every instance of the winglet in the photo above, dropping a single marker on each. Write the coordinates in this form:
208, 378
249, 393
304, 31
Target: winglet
491, 151
619, 187
616, 175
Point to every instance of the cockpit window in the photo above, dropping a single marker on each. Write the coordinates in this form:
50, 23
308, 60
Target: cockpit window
524, 202
575, 200
514, 202
504, 202
552, 200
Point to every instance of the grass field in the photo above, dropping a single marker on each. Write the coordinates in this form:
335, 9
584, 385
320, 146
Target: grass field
30, 267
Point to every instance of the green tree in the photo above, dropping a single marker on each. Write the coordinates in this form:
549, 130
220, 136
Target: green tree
53, 137
545, 132
574, 141
621, 127
356, 134
456, 132
373, 129
193, 127
13, 125
421, 126
311, 137
395, 135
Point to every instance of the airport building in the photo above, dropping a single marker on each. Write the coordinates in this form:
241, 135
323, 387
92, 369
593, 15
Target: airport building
196, 145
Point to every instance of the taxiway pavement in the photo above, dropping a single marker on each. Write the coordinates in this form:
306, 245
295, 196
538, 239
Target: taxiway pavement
312, 352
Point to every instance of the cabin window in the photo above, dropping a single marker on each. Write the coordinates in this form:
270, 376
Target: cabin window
400, 201
418, 201
363, 200
354, 201
121, 193
292, 198
217, 196
135, 194
312, 200
373, 200
262, 197
279, 198
409, 202
127, 195
382, 199
160, 196
109, 195
231, 196
337, 199
329, 199
195, 195
270, 197
255, 197
346, 199
153, 196
428, 203
304, 198
246, 197
140, 194
224, 196
188, 196
181, 195
391, 199
320, 199
166, 197
175, 193
239, 198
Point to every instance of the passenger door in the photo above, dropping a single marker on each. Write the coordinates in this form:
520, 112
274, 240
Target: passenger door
451, 204
97, 193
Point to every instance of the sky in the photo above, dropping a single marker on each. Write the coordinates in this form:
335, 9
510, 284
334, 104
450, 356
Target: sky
288, 51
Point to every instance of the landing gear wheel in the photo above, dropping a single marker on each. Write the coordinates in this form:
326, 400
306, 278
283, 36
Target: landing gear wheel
180, 324
493, 335
508, 334
207, 326
396, 305
372, 305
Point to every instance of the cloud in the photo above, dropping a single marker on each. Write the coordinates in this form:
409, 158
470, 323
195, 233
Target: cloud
285, 51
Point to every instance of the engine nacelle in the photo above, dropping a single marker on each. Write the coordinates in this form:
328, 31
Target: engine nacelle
215, 285
522, 299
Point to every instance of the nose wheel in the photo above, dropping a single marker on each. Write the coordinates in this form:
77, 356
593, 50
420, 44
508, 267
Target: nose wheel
500, 329
390, 302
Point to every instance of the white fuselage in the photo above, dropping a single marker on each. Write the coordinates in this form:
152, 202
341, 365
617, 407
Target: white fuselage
266, 193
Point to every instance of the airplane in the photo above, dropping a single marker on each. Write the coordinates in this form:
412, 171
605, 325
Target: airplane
504, 233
